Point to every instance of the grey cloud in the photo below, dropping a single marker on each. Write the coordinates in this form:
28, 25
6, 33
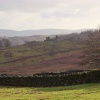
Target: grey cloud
27, 5
68, 13
35, 14
42, 5
73, 9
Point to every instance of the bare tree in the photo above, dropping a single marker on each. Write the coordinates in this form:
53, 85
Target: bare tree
8, 54
6, 42
52, 50
91, 51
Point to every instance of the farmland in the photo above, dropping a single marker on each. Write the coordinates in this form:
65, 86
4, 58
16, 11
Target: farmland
76, 92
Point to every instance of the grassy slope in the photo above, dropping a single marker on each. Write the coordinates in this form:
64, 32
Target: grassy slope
39, 48
77, 92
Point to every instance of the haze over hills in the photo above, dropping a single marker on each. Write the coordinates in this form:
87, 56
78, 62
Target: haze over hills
12, 33
21, 37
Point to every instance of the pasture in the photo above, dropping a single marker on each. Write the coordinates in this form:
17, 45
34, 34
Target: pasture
75, 92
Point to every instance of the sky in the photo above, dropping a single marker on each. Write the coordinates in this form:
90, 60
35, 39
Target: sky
49, 14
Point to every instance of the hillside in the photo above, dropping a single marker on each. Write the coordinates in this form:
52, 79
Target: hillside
36, 35
35, 57
17, 40
54, 54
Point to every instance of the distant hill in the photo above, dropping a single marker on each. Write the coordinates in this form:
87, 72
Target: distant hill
74, 36
12, 33
21, 37
19, 40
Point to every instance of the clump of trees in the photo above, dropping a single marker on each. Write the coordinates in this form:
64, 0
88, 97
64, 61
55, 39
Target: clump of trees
5, 43
91, 52
56, 38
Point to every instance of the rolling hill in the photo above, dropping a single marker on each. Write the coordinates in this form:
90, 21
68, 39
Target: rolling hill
12, 33
36, 57
43, 56
21, 37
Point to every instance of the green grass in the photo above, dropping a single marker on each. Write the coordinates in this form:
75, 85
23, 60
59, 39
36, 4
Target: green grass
76, 92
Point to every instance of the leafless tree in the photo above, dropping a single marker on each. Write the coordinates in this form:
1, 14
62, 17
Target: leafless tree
91, 52
8, 54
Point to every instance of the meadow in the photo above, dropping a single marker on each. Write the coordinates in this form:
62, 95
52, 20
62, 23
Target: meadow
75, 92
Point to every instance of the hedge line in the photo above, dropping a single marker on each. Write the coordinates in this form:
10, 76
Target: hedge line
49, 80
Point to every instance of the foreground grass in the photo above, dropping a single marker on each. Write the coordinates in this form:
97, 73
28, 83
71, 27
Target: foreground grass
77, 92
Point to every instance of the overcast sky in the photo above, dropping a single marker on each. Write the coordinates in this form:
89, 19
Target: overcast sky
48, 14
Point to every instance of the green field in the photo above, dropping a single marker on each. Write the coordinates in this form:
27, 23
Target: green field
76, 92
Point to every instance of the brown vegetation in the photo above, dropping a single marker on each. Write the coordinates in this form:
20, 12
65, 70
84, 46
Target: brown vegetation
65, 62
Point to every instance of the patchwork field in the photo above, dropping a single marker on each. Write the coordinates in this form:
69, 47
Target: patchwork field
76, 92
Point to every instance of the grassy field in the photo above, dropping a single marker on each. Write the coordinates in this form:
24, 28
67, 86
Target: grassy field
33, 49
37, 57
76, 92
